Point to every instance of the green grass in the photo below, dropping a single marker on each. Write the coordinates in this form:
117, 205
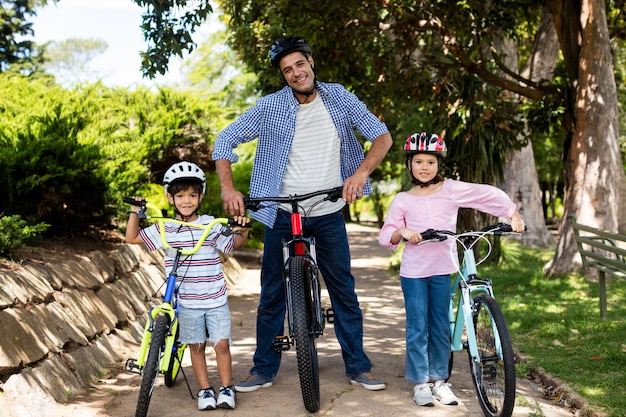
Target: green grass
555, 325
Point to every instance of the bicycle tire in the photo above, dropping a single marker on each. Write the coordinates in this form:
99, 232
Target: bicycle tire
176, 361
303, 319
493, 377
150, 371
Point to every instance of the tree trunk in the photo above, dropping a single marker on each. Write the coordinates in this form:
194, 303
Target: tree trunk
520, 175
594, 175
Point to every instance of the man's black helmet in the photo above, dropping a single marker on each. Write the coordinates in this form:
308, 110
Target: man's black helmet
285, 46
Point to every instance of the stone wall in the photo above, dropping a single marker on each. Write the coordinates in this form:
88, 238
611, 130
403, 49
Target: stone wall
61, 325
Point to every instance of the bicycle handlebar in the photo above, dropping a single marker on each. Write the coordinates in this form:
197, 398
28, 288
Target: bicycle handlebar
144, 206
498, 229
254, 203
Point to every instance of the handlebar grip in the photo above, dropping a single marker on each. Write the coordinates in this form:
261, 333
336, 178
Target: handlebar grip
233, 222
429, 234
132, 201
504, 228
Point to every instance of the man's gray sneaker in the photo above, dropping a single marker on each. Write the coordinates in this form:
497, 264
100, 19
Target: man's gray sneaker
253, 383
423, 395
367, 381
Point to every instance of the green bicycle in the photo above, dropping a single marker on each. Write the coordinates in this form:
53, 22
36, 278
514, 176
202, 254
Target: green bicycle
161, 352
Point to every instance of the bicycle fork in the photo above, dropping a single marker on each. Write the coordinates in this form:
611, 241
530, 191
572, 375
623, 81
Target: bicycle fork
313, 287
470, 286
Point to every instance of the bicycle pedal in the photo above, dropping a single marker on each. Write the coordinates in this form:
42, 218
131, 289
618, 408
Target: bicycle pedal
281, 343
330, 315
131, 366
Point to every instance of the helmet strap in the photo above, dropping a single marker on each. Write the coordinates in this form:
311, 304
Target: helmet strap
178, 213
415, 181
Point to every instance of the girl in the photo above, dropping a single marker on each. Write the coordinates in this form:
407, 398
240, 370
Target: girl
433, 203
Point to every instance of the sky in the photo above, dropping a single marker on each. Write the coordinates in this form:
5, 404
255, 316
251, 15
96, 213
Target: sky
117, 22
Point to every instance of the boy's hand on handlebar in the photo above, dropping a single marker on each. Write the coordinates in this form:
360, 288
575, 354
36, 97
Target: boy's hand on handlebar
241, 221
233, 202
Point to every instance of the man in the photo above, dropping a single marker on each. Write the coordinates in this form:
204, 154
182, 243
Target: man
306, 142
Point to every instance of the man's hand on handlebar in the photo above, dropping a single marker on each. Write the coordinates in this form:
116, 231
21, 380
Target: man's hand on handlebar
353, 188
233, 202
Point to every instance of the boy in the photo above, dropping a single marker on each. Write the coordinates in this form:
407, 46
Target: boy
201, 292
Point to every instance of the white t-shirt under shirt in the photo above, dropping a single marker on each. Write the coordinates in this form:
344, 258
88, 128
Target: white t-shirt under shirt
314, 160
201, 282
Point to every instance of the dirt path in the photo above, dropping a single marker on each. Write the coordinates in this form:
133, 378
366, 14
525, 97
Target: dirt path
381, 300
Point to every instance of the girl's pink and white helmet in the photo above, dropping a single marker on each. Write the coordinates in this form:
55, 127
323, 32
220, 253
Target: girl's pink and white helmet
425, 142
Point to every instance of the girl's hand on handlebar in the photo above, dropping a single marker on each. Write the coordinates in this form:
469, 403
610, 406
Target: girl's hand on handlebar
407, 235
517, 224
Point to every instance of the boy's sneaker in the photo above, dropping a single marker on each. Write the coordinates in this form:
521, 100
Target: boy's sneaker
423, 395
367, 381
227, 397
253, 383
206, 399
444, 394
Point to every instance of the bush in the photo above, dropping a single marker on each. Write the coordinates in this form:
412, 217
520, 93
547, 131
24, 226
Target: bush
15, 232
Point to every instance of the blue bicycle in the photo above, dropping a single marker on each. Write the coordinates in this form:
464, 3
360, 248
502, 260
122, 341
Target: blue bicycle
477, 324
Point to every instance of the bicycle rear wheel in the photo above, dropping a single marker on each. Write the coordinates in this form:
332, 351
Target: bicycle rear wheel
494, 373
303, 319
176, 361
151, 367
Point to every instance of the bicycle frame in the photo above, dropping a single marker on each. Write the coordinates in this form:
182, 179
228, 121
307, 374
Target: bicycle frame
468, 286
302, 246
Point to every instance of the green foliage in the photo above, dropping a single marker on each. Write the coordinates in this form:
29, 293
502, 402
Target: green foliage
556, 326
69, 156
395, 56
15, 233
167, 26
48, 174
17, 52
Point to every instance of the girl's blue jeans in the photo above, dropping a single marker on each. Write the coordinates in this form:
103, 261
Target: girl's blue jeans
427, 302
333, 257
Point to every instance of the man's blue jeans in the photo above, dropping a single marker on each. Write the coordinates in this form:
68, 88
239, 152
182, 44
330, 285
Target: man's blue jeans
333, 256
427, 301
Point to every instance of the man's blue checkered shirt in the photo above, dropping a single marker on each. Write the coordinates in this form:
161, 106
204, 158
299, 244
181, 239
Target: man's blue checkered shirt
273, 119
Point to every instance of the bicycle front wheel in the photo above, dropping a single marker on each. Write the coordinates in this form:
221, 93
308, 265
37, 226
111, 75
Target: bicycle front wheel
151, 368
494, 372
303, 332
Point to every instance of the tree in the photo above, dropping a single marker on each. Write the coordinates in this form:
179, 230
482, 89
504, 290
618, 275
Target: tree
594, 173
69, 60
439, 59
17, 53
167, 26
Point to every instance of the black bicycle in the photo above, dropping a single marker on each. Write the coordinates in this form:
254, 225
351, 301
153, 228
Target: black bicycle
306, 317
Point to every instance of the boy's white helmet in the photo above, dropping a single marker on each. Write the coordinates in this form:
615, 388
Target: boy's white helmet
184, 170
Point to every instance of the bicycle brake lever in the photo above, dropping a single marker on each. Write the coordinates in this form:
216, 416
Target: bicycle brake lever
141, 213
335, 194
